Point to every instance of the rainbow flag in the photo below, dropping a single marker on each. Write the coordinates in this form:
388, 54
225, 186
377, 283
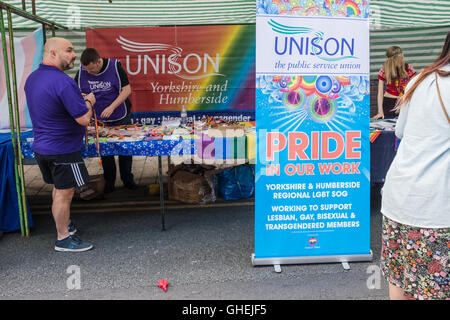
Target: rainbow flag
374, 135
205, 68
28, 56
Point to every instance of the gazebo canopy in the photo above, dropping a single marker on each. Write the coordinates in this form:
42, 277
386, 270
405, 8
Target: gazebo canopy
103, 13
419, 27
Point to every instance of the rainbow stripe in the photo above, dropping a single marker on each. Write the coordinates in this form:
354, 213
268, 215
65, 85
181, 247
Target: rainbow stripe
312, 10
237, 40
28, 56
352, 8
343, 80
308, 83
374, 135
344, 8
295, 83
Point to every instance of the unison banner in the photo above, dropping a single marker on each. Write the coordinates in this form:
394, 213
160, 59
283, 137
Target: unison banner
209, 69
312, 201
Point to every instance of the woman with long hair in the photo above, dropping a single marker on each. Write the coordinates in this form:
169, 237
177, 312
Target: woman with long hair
416, 194
396, 73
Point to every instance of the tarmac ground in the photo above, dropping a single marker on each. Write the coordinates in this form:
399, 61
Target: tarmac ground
204, 253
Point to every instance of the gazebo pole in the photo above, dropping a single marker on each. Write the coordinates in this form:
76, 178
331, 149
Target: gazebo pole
18, 163
44, 33
17, 118
29, 16
11, 119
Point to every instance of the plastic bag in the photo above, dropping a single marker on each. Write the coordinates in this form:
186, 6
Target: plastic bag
237, 183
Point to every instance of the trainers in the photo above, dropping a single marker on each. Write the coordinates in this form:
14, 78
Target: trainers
72, 228
72, 244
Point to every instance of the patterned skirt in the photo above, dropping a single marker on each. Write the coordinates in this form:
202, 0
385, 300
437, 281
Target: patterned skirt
416, 259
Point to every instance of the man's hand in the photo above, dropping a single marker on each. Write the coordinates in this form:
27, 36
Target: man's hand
89, 100
107, 112
90, 97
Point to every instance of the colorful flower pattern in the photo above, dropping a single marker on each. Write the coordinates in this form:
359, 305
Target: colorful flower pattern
324, 8
417, 259
307, 92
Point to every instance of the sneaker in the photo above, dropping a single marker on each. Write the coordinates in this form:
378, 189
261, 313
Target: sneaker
72, 228
72, 244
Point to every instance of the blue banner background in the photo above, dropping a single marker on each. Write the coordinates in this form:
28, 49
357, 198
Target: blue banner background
276, 111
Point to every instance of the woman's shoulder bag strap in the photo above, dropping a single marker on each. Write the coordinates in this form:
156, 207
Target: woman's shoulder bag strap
440, 98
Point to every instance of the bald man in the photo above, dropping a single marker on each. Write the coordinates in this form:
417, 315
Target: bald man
59, 115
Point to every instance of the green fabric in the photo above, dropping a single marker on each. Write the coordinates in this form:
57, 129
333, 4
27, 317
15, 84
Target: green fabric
418, 27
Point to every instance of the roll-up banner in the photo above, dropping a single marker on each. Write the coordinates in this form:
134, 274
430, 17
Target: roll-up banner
312, 201
210, 69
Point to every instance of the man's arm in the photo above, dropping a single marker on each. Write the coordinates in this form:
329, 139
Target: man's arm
84, 120
126, 91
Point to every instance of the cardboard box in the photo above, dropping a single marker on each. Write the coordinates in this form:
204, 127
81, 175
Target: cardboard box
93, 190
192, 183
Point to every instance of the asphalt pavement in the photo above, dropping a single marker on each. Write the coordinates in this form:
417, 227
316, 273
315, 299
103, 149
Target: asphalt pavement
204, 254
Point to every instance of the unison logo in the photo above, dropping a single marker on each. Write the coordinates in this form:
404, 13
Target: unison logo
168, 59
96, 86
306, 41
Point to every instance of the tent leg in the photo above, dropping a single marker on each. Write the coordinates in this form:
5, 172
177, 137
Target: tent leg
17, 123
161, 193
11, 118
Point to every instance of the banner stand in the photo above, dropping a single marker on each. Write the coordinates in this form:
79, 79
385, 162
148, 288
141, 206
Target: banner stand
312, 94
344, 259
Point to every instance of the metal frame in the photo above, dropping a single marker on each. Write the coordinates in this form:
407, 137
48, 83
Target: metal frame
14, 113
13, 103
344, 259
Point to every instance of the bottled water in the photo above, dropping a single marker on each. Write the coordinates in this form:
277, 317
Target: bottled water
183, 121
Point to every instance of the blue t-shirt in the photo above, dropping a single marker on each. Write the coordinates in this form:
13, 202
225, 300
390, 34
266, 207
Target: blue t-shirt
54, 102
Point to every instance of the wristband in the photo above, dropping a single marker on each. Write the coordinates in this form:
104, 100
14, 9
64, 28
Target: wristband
87, 100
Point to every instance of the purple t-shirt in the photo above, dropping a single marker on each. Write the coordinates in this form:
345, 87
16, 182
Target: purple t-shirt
106, 87
54, 102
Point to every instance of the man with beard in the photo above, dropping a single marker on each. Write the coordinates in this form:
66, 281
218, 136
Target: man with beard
59, 116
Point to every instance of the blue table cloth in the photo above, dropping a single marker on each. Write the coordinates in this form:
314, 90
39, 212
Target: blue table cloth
129, 148
202, 145
382, 152
9, 208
